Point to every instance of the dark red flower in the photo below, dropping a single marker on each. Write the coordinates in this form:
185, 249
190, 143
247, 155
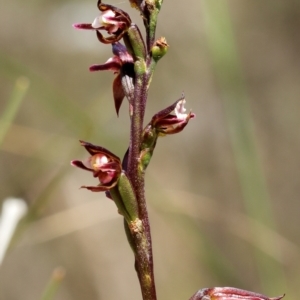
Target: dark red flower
166, 122
122, 65
103, 164
112, 19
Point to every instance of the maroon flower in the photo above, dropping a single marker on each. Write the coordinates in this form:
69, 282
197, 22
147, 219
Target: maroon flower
167, 123
112, 19
229, 293
122, 65
103, 164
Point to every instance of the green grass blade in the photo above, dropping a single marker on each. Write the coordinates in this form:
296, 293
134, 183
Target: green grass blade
14, 103
55, 281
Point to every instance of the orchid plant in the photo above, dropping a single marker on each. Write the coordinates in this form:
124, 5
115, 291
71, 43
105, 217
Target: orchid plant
133, 63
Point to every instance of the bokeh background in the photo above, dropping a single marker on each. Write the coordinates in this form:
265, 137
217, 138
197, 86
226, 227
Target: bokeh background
223, 194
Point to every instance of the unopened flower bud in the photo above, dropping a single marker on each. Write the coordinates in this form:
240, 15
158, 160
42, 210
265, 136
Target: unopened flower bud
159, 49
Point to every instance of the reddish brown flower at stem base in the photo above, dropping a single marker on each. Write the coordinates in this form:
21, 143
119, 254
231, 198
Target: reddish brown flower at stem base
112, 19
229, 293
123, 66
103, 164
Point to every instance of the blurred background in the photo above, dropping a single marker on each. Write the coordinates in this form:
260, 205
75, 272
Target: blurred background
223, 194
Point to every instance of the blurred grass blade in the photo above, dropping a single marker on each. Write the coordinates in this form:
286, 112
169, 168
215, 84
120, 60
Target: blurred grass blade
54, 283
241, 131
34, 211
9, 113
13, 210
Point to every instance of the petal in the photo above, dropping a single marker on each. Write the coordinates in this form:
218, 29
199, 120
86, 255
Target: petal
118, 93
93, 149
83, 26
103, 19
110, 39
180, 110
81, 165
100, 187
122, 15
179, 126
95, 188
112, 64
128, 86
121, 51
165, 112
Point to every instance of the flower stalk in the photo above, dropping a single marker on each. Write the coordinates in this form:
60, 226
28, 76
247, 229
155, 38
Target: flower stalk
144, 259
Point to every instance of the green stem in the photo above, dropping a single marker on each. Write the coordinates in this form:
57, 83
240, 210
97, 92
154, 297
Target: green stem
154, 8
140, 228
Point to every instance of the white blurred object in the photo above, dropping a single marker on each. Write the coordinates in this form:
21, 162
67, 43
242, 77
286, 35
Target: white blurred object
13, 210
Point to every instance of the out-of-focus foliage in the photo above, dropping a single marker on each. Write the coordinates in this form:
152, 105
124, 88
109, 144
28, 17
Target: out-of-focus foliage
203, 233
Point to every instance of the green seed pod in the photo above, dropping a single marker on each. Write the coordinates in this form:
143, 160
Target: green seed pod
129, 236
145, 157
128, 197
136, 42
115, 194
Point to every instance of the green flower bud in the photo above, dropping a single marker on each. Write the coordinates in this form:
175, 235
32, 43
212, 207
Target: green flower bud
159, 49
